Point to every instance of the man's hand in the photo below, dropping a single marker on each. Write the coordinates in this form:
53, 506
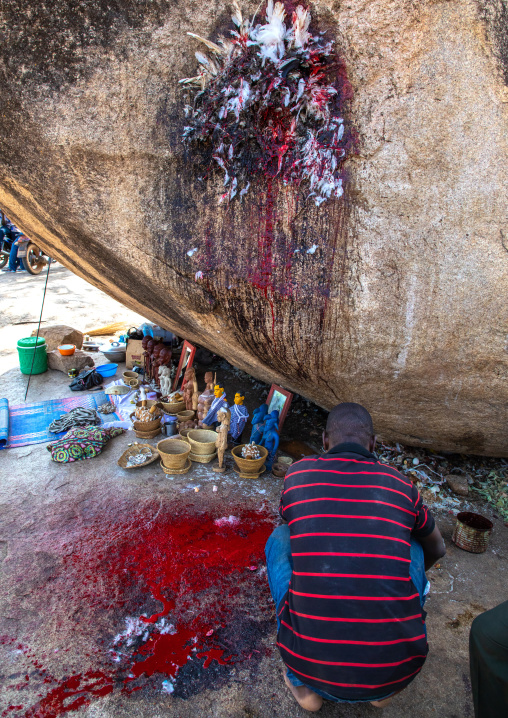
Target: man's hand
433, 547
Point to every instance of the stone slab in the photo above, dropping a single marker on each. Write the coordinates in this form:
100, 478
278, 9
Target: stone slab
78, 360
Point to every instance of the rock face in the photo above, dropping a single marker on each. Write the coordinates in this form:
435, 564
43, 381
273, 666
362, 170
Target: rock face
393, 296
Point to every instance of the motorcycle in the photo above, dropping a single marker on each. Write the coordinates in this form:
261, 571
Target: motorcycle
33, 257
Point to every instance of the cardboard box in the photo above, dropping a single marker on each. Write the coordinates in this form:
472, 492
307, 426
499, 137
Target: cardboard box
134, 354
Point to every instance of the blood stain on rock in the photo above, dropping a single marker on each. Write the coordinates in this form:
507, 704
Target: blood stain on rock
172, 583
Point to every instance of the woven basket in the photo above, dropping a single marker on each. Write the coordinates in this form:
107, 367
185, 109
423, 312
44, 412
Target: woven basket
173, 408
122, 461
185, 415
145, 426
174, 453
148, 434
202, 458
472, 532
149, 403
249, 466
202, 441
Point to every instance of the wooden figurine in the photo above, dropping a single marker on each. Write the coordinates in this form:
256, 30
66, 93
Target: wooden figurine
239, 417
191, 392
148, 345
206, 398
224, 418
157, 360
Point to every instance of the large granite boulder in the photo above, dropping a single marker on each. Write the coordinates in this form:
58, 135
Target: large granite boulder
393, 296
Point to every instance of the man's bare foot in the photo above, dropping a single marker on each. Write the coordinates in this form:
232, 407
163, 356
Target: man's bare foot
381, 704
306, 698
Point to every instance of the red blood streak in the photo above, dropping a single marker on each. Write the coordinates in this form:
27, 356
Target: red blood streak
214, 654
71, 694
127, 557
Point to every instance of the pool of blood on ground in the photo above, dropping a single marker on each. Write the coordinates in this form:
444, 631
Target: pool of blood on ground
202, 569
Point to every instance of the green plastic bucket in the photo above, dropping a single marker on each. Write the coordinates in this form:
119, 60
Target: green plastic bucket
26, 349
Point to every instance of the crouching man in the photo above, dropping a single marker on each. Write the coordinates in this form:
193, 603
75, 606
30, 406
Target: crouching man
347, 570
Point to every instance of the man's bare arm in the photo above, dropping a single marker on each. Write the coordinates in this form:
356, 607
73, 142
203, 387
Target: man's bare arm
433, 547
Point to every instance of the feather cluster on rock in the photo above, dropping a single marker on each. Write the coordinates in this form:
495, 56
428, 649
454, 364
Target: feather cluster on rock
269, 103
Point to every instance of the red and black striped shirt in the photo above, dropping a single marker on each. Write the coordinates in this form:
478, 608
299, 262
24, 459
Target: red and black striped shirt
351, 622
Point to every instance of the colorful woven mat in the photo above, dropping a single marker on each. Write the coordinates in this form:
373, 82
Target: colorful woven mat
28, 423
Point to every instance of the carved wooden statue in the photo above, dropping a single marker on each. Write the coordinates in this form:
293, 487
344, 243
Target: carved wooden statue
191, 392
206, 398
224, 418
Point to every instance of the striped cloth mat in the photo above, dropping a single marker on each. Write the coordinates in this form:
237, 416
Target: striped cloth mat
28, 423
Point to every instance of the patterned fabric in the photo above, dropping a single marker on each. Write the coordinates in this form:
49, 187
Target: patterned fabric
217, 404
82, 442
239, 416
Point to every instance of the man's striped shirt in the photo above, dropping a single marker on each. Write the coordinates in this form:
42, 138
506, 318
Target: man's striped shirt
351, 622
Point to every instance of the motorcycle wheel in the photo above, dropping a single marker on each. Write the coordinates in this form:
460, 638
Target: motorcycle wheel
34, 261
3, 260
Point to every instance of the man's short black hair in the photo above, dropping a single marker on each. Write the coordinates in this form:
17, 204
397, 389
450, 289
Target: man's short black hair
349, 420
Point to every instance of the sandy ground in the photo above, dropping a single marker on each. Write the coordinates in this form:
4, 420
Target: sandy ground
85, 548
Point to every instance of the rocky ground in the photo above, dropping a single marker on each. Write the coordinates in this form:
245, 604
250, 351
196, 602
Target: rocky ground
91, 554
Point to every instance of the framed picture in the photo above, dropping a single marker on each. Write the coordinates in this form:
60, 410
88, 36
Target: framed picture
280, 399
186, 360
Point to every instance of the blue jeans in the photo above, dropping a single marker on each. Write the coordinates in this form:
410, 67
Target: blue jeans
14, 262
279, 566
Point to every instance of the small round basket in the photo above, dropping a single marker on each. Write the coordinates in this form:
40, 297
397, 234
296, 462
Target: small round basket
131, 378
249, 466
174, 453
185, 415
149, 403
132, 450
145, 426
202, 458
148, 434
472, 532
202, 441
173, 408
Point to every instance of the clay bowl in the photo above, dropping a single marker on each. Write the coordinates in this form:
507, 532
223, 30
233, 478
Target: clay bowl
67, 350
131, 378
174, 453
173, 408
249, 466
185, 415
202, 441
145, 426
279, 470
